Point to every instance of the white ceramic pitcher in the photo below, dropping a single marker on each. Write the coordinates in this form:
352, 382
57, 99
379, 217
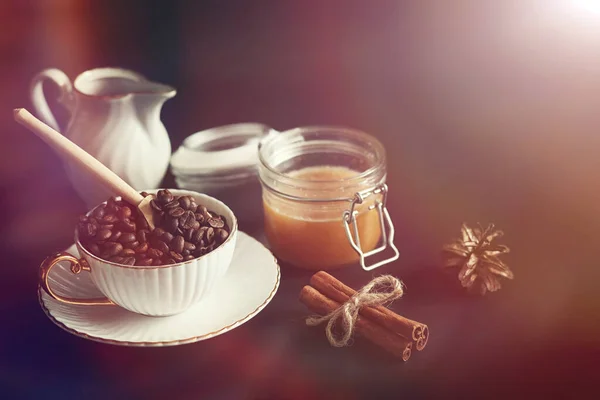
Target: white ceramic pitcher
115, 116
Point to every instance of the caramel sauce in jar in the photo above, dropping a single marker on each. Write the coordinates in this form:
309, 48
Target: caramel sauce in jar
309, 178
314, 237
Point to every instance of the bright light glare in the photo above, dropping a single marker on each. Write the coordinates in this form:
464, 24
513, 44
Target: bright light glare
588, 5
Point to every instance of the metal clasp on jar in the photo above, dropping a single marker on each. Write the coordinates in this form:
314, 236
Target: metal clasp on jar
387, 238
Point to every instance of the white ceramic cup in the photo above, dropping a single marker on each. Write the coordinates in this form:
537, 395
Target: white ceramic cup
151, 290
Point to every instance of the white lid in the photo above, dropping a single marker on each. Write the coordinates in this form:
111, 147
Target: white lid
216, 150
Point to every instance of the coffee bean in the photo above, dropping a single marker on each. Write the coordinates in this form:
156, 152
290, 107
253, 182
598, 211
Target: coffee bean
199, 217
164, 196
129, 261
172, 224
99, 212
112, 248
162, 246
116, 259
185, 252
188, 257
171, 204
176, 256
124, 213
185, 202
90, 229
196, 225
127, 226
127, 252
158, 232
216, 222
187, 220
142, 235
189, 234
169, 260
210, 235
202, 209
199, 235
110, 219
84, 218
132, 245
176, 212
142, 248
222, 235
167, 237
155, 205
93, 248
193, 205
154, 253
103, 234
127, 237
110, 227
145, 194
145, 261
116, 235
177, 244
189, 246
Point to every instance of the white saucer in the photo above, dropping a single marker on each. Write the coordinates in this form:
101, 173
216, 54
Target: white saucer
250, 284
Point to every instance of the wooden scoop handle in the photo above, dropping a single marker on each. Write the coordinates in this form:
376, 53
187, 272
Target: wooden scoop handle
76, 154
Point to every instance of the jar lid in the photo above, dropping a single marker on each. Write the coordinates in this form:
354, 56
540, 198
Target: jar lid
220, 150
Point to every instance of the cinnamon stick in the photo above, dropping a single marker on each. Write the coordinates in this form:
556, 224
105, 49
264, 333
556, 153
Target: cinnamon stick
338, 291
389, 341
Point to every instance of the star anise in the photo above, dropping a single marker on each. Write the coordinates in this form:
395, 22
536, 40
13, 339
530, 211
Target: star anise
477, 258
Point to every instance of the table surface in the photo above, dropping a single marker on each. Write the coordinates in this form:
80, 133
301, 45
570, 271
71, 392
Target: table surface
477, 130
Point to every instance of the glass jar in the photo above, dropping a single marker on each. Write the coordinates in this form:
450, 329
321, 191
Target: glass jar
324, 194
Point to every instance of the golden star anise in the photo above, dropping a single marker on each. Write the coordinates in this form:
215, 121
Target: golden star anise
477, 258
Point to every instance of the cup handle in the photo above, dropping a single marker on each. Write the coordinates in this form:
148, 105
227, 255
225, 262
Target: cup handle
39, 100
77, 265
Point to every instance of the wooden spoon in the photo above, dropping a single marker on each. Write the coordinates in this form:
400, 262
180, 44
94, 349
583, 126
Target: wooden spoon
83, 159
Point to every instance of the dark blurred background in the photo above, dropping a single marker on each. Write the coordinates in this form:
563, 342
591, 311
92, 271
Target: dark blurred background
488, 110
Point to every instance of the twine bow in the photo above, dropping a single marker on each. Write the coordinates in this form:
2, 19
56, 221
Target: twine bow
381, 290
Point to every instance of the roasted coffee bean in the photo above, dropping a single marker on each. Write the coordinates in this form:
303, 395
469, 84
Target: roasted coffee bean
172, 224
157, 261
142, 248
187, 220
145, 261
144, 194
129, 261
167, 237
196, 225
124, 213
176, 256
185, 252
112, 248
103, 234
154, 253
116, 259
222, 235
176, 212
127, 226
188, 257
164, 196
116, 235
216, 222
189, 246
179, 231
177, 244
94, 248
171, 204
127, 253
202, 209
131, 245
99, 212
155, 205
109, 219
210, 247
210, 235
110, 227
162, 246
90, 229
84, 218
189, 234
199, 235
168, 261
199, 217
158, 232
193, 205
185, 202
127, 237
142, 235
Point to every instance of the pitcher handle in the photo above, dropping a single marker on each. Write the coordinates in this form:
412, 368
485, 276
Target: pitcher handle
77, 265
39, 100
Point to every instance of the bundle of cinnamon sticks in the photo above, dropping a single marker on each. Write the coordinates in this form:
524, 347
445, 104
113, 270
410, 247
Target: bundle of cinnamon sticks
378, 324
